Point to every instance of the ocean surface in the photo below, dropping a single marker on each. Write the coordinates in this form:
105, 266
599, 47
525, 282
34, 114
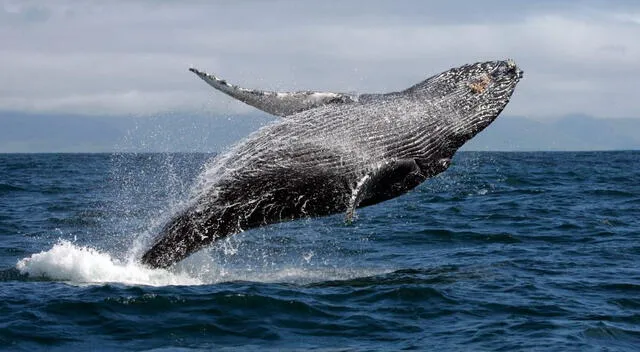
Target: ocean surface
504, 251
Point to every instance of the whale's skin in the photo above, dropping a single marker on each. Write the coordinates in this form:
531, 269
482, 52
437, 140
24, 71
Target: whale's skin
334, 157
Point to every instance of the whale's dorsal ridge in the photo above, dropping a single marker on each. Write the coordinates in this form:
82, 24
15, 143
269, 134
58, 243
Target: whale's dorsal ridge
276, 103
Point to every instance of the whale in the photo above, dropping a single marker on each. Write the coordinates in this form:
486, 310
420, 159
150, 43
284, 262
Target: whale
332, 153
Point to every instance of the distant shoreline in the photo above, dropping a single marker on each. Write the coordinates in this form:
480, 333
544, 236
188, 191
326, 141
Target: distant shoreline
215, 153
24, 133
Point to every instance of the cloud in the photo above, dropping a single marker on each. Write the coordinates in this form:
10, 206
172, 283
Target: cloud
125, 58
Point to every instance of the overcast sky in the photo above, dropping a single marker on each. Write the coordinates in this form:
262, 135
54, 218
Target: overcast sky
131, 57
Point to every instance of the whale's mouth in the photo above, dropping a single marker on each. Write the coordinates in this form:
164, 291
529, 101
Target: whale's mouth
499, 79
507, 68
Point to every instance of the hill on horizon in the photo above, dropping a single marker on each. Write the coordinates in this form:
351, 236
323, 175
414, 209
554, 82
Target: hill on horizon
33, 133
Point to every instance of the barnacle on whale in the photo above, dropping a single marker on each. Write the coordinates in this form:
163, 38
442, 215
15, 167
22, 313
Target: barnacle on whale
480, 85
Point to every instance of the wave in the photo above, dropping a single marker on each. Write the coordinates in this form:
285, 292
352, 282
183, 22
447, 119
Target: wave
5, 187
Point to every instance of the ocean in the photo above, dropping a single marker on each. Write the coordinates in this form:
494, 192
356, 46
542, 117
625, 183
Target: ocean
502, 252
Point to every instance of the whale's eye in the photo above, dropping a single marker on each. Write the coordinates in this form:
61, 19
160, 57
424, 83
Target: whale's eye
480, 84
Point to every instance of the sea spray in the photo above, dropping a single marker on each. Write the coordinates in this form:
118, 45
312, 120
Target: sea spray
148, 190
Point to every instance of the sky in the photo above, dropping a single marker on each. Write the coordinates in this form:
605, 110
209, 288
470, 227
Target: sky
131, 58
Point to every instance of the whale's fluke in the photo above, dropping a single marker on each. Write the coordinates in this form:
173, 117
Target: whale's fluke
276, 103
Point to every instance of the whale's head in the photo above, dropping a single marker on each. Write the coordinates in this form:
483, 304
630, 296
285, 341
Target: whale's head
468, 98
482, 92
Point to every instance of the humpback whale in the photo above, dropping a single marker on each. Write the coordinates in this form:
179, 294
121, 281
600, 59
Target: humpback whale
333, 153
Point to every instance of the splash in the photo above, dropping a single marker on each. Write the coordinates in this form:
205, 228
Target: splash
71, 263
74, 264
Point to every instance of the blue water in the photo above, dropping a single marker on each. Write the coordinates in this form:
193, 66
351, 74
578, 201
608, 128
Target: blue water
504, 251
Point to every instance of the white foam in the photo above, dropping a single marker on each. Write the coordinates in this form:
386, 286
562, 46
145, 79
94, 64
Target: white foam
75, 264
69, 262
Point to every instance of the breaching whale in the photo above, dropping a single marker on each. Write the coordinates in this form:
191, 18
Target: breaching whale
334, 152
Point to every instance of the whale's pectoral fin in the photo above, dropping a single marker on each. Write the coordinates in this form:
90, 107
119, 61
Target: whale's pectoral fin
276, 103
388, 180
356, 196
